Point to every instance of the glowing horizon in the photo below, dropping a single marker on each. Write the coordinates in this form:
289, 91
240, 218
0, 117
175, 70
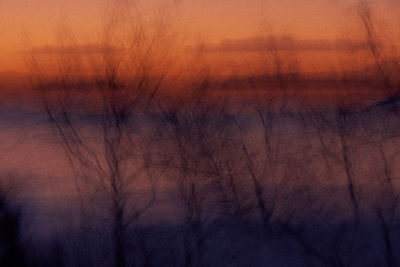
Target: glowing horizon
208, 22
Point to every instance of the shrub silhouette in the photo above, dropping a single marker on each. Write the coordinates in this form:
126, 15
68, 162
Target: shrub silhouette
11, 249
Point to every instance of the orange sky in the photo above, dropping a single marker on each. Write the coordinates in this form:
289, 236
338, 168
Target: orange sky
208, 21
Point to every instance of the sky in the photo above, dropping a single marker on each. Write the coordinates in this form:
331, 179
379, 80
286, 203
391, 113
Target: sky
207, 21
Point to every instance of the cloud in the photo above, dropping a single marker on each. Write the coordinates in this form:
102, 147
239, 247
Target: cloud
82, 49
284, 43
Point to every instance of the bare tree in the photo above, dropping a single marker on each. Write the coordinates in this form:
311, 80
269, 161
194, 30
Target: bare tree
386, 67
100, 116
199, 161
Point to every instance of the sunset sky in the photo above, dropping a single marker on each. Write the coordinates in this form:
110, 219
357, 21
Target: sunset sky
207, 21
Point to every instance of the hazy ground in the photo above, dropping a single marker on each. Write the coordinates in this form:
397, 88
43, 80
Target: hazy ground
305, 181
